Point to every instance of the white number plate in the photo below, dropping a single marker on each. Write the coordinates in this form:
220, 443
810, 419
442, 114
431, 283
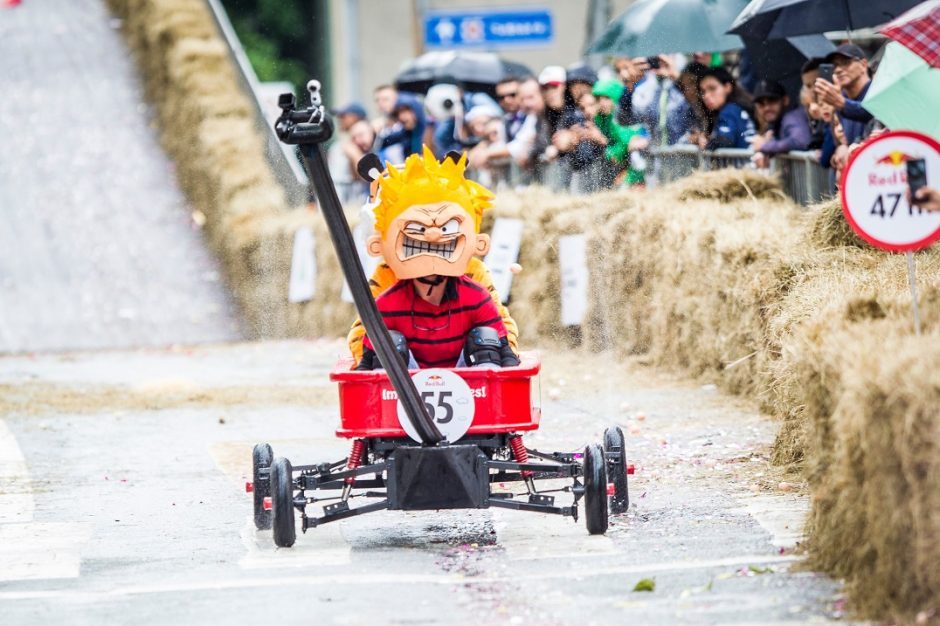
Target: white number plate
449, 402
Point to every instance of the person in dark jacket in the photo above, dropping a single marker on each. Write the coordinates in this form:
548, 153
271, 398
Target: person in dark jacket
784, 130
730, 124
410, 114
567, 128
851, 84
852, 80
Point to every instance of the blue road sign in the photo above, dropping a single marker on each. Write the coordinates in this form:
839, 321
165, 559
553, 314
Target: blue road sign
488, 29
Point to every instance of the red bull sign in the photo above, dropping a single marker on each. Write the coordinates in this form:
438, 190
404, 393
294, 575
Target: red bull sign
874, 191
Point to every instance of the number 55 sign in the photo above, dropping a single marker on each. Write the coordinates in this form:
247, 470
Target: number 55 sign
449, 402
874, 192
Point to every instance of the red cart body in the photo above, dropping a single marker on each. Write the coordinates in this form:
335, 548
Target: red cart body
506, 399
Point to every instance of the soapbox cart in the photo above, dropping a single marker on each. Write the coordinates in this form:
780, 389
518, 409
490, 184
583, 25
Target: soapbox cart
429, 439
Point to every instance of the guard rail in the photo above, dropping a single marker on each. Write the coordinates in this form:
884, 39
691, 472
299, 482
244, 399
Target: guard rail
283, 161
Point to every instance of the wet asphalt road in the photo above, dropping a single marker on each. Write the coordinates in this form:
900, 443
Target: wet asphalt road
122, 501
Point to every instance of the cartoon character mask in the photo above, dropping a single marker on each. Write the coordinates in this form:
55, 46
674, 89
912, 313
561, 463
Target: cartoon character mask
427, 218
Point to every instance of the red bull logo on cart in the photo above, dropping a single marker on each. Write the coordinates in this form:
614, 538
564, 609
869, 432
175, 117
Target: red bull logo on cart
434, 381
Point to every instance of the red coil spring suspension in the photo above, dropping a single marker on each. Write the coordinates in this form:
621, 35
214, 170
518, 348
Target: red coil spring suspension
355, 458
519, 453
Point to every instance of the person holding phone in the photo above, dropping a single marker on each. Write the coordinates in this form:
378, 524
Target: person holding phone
659, 103
927, 198
846, 89
918, 193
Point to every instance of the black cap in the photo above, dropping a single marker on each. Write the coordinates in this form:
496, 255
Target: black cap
581, 73
353, 108
812, 64
769, 89
849, 50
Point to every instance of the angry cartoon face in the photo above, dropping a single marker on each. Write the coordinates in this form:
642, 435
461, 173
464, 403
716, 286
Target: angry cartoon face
429, 239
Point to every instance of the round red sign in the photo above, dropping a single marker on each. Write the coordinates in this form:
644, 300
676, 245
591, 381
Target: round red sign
874, 191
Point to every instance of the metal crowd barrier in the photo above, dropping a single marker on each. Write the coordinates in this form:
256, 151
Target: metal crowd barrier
802, 177
282, 158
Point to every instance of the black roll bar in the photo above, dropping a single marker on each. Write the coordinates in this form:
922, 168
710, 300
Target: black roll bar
308, 128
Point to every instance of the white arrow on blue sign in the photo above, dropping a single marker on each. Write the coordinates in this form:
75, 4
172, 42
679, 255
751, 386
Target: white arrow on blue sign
489, 29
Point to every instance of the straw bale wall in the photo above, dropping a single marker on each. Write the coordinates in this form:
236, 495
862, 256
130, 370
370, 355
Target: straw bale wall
207, 126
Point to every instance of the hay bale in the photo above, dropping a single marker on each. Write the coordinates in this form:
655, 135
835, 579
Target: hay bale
208, 127
830, 229
876, 514
727, 185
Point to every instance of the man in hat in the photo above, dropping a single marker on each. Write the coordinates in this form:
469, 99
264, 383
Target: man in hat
345, 116
846, 94
784, 130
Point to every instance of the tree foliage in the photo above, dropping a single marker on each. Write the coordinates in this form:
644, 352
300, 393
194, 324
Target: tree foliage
276, 36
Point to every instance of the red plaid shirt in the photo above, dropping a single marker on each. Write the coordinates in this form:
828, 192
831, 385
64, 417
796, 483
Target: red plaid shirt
436, 333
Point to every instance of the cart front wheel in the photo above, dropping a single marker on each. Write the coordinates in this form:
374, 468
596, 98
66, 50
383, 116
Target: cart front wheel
595, 489
261, 458
282, 503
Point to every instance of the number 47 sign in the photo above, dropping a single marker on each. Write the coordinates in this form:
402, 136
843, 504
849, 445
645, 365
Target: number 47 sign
874, 191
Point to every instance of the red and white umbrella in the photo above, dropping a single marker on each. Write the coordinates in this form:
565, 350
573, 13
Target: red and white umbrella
919, 30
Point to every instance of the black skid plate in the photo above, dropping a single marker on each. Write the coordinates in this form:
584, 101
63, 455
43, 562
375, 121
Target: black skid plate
446, 477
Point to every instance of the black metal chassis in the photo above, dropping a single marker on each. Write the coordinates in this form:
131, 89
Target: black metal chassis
405, 475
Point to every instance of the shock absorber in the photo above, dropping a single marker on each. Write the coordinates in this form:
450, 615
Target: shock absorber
522, 456
354, 461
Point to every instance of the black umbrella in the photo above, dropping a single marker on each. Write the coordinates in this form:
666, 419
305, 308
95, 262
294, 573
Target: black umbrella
476, 71
780, 60
775, 19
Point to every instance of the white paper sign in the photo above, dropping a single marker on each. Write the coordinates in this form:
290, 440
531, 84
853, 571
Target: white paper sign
874, 191
303, 267
504, 251
448, 399
572, 260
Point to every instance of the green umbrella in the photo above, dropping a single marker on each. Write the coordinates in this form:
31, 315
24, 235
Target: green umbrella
651, 27
905, 93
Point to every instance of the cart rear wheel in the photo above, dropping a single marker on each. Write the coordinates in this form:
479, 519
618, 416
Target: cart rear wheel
595, 490
261, 458
282, 503
614, 448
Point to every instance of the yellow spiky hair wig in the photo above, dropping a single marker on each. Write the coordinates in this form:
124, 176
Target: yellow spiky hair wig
425, 180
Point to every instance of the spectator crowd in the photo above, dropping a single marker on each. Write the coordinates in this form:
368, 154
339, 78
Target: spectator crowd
581, 130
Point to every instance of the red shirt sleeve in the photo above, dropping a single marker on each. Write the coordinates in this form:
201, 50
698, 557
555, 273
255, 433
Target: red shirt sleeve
488, 315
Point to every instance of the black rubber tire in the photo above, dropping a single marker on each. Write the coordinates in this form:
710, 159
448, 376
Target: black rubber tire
595, 489
261, 458
615, 443
282, 503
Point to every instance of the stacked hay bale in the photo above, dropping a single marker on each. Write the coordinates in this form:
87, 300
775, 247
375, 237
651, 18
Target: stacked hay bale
208, 127
721, 277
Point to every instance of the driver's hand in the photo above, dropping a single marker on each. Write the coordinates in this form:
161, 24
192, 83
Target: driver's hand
368, 361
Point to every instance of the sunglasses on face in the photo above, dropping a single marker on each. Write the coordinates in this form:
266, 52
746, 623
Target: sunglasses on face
503, 96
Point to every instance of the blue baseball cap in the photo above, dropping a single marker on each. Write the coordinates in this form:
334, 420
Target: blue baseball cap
353, 108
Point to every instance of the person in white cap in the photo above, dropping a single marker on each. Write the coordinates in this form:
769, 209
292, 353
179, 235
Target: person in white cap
567, 129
